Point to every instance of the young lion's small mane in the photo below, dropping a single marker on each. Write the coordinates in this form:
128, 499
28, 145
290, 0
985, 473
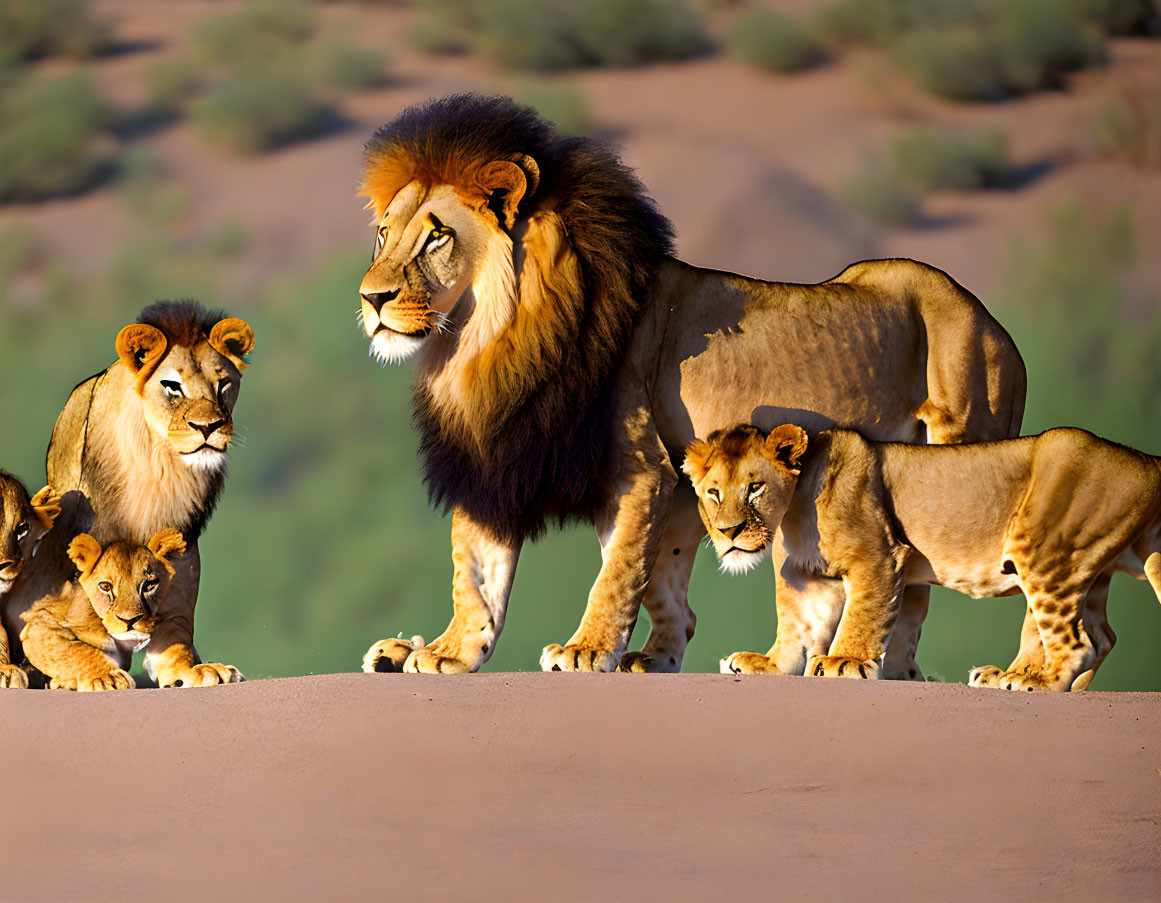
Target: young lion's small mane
184, 323
531, 440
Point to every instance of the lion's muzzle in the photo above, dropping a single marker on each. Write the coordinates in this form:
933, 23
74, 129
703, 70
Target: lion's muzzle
409, 315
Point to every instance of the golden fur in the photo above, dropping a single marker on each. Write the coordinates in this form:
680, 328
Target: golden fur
83, 637
141, 447
23, 522
565, 357
1052, 516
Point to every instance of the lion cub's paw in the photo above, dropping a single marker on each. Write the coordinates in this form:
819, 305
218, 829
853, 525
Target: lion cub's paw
747, 663
841, 666
388, 656
13, 677
644, 663
114, 680
576, 658
207, 674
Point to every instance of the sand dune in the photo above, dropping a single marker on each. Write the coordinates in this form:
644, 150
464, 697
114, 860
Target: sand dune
569, 787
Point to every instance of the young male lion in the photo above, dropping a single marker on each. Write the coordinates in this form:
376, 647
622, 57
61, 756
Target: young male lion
1052, 516
83, 637
23, 521
139, 447
566, 359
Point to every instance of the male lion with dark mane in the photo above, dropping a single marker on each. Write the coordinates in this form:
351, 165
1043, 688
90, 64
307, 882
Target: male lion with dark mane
567, 359
141, 447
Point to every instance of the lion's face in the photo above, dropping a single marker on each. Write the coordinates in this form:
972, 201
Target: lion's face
126, 583
744, 483
23, 521
188, 393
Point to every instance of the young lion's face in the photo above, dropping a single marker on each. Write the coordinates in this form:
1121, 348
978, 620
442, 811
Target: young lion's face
126, 583
23, 521
744, 482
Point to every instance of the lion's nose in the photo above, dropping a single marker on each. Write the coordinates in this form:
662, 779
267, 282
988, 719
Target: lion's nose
731, 532
378, 299
5, 565
207, 429
129, 622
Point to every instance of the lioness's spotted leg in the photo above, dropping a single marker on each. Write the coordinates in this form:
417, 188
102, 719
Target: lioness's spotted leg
899, 663
667, 596
170, 657
1096, 622
630, 528
483, 567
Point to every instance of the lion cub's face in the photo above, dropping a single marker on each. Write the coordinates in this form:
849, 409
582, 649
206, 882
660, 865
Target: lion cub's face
126, 583
23, 521
744, 482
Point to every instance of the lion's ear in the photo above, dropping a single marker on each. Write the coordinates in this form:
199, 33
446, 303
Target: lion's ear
233, 338
84, 552
507, 183
696, 463
165, 544
46, 506
141, 348
785, 446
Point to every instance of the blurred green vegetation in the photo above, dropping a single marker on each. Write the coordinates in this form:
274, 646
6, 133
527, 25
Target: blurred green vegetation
562, 104
549, 35
1129, 126
951, 160
878, 192
38, 28
251, 113
772, 40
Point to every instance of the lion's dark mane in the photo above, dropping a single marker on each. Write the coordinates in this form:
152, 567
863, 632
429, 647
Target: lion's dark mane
547, 454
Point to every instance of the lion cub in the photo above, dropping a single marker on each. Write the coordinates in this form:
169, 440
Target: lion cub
1052, 516
23, 521
84, 637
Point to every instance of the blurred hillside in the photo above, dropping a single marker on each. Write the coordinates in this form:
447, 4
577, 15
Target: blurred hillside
210, 149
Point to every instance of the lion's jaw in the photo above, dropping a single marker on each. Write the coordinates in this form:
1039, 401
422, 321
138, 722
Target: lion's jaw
391, 347
741, 561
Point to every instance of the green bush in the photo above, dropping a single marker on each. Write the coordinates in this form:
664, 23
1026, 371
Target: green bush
957, 63
935, 160
564, 106
564, 34
881, 22
48, 132
877, 192
254, 113
171, 84
1118, 17
36, 28
262, 36
1130, 127
1040, 41
349, 68
772, 40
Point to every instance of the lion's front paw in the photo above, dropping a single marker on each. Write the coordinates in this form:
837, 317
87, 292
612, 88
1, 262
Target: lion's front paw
644, 663
429, 660
13, 677
576, 658
207, 674
388, 656
841, 666
114, 680
985, 676
1027, 679
747, 663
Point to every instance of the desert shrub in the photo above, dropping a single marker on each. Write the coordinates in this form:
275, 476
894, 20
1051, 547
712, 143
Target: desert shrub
960, 63
1130, 127
171, 84
350, 68
226, 240
772, 40
253, 113
36, 28
881, 22
1118, 17
1041, 40
877, 192
563, 105
564, 34
961, 162
263, 35
48, 136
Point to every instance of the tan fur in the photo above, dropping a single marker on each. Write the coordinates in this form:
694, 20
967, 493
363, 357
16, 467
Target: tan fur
1052, 516
507, 315
140, 448
83, 637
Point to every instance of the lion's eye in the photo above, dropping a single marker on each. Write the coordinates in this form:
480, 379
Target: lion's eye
149, 587
225, 387
106, 587
754, 489
172, 388
440, 235
380, 240
21, 530
714, 494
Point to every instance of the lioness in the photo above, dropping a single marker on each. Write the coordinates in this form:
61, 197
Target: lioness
23, 521
84, 637
139, 447
566, 359
1052, 516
